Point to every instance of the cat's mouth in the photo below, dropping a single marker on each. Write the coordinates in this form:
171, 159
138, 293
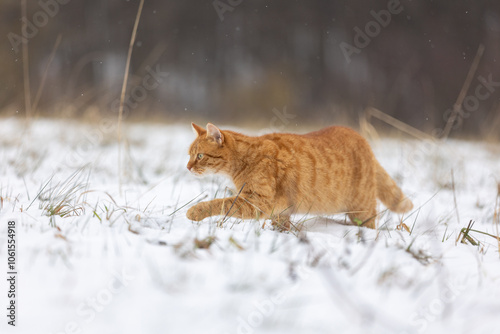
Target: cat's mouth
197, 173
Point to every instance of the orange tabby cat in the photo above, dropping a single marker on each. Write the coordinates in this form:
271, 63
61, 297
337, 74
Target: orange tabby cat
324, 172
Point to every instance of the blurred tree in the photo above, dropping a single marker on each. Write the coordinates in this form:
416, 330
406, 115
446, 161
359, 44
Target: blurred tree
240, 63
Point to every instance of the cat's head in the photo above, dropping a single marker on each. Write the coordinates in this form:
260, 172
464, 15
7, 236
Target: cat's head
208, 153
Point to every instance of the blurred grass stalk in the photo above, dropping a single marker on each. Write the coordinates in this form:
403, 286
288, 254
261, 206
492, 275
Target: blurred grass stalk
122, 97
26, 76
496, 215
44, 76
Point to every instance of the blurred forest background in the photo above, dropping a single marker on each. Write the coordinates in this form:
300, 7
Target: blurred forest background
251, 60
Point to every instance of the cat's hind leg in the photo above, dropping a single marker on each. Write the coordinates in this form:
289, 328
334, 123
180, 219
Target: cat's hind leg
365, 215
281, 222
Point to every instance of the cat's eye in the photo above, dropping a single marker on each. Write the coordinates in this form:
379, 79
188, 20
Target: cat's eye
200, 155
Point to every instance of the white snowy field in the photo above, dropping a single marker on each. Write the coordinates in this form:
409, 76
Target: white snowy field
92, 258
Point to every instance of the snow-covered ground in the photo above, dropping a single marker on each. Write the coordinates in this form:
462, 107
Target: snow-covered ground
94, 258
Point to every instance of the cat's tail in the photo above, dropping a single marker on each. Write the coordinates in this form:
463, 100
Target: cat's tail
389, 193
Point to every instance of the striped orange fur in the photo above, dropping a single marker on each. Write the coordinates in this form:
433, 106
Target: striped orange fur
329, 171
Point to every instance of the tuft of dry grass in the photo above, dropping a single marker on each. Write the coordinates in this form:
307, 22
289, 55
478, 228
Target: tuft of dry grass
465, 235
419, 255
204, 243
65, 198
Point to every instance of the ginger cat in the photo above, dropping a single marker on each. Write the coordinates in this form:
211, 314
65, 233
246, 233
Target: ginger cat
329, 171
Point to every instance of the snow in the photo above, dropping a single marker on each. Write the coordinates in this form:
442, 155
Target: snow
125, 260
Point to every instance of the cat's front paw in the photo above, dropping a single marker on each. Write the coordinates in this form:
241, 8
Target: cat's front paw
197, 212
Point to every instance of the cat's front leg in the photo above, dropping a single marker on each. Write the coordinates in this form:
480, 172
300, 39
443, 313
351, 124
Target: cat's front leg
216, 207
237, 207
203, 210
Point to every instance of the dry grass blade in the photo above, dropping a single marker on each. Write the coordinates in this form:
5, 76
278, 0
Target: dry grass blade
455, 197
396, 123
419, 254
463, 236
204, 243
402, 226
45, 72
485, 233
232, 204
40, 192
236, 244
26, 70
191, 201
457, 107
131, 230
496, 215
124, 88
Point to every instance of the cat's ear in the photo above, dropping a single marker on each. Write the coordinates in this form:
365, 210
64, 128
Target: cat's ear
214, 133
198, 130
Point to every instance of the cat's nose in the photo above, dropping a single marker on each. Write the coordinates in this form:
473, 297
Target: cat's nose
189, 166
